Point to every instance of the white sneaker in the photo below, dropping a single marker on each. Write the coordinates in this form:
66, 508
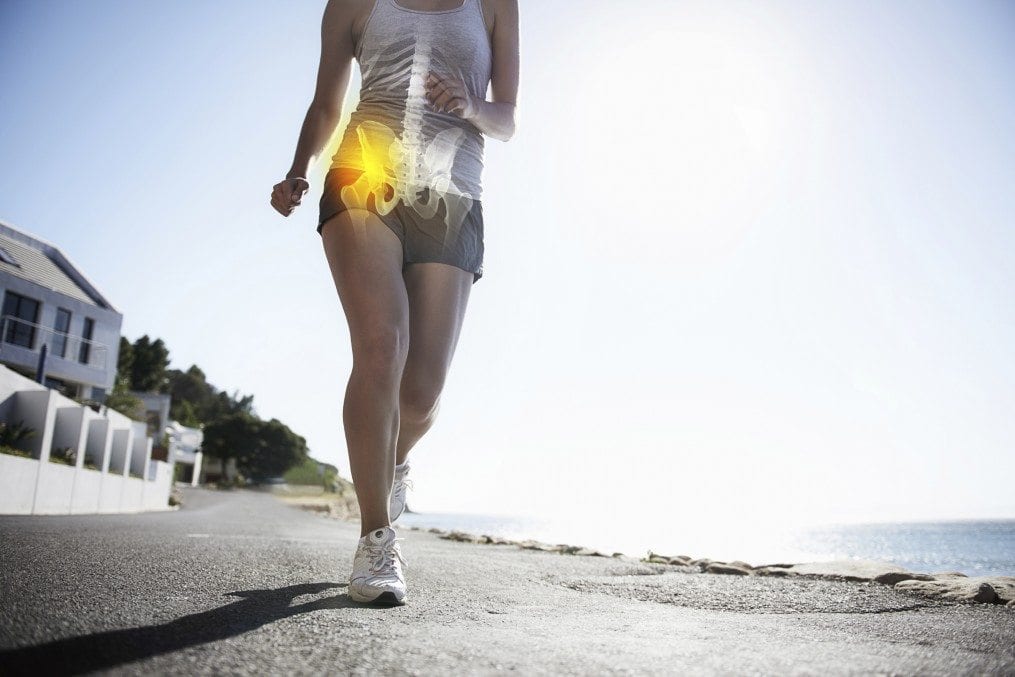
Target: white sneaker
396, 503
377, 569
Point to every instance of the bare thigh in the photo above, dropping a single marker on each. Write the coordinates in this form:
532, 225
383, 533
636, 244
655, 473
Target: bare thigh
438, 297
366, 264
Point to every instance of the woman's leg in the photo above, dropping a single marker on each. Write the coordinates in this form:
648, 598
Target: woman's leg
366, 264
438, 296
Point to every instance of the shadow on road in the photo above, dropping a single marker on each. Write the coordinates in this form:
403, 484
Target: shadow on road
102, 650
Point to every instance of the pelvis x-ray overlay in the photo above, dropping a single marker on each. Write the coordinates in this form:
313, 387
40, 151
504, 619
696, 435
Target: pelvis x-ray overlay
411, 167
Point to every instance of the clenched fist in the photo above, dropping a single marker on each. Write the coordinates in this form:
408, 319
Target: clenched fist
287, 194
448, 95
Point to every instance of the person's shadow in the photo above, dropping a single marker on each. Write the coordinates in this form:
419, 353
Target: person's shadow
102, 650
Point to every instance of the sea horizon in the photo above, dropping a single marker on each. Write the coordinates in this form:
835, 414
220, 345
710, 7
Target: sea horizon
973, 546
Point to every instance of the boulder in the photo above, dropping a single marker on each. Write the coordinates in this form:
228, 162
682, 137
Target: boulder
536, 545
591, 552
719, 568
893, 577
460, 536
846, 569
983, 589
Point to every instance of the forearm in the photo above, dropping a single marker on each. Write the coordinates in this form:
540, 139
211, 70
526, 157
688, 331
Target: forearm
318, 126
496, 119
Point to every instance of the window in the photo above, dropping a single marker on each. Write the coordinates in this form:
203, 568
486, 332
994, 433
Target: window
19, 316
61, 328
86, 341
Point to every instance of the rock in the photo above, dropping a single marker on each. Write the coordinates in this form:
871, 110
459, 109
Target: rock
742, 565
701, 562
435, 530
847, 569
590, 552
617, 554
893, 577
536, 545
774, 571
983, 589
719, 568
1010, 604
456, 535
674, 559
985, 594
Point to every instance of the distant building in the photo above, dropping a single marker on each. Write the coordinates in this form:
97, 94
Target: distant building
184, 452
156, 408
48, 301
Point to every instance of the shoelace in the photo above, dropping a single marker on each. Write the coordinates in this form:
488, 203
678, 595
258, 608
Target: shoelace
382, 556
405, 482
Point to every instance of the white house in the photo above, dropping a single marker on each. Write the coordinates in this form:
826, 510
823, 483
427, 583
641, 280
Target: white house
81, 456
47, 301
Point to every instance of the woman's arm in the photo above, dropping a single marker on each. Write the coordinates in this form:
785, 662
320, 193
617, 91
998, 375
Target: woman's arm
333, 75
495, 118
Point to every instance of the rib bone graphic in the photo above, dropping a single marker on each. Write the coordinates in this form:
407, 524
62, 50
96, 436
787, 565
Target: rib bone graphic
417, 170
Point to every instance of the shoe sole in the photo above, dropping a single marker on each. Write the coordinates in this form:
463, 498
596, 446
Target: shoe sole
385, 599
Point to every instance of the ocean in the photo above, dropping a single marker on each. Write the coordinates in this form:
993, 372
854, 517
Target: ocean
972, 547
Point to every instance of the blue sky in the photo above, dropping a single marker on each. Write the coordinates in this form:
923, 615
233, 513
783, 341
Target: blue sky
752, 256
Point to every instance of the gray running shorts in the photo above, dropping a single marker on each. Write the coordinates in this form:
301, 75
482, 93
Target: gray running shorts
423, 239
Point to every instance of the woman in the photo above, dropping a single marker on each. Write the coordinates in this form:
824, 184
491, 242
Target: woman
401, 224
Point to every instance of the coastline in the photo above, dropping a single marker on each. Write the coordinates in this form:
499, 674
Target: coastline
951, 586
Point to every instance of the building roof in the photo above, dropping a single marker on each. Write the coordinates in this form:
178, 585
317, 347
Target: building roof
40, 262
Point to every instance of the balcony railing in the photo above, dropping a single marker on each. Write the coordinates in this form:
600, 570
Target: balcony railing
31, 336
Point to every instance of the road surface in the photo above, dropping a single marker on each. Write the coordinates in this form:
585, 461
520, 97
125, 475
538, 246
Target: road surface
240, 583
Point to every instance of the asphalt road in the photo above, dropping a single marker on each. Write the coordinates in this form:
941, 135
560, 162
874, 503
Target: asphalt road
239, 583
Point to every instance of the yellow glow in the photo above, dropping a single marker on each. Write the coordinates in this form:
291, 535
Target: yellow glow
408, 171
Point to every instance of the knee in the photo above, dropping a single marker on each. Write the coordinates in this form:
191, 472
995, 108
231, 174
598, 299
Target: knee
419, 400
380, 351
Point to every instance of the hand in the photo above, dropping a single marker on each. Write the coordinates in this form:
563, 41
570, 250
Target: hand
287, 194
449, 95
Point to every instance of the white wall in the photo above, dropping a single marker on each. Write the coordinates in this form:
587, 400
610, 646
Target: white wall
118, 445
17, 484
87, 488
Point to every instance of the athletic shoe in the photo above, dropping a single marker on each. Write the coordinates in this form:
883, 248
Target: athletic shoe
377, 569
396, 503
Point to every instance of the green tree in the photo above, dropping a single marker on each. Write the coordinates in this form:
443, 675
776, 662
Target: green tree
147, 368
262, 449
122, 401
206, 403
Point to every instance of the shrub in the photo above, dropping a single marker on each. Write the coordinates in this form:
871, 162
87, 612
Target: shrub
12, 434
11, 451
64, 455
